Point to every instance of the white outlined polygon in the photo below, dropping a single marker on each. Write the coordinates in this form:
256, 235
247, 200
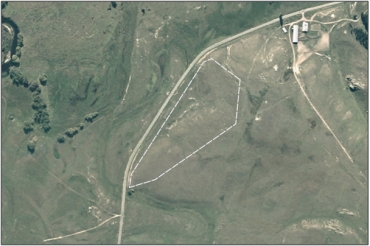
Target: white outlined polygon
236, 120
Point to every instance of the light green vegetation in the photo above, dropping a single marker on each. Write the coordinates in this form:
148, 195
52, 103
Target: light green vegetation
274, 176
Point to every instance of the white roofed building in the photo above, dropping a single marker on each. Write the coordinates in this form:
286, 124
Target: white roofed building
305, 27
295, 34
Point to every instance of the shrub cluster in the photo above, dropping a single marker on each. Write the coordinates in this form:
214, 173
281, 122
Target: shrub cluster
71, 131
90, 117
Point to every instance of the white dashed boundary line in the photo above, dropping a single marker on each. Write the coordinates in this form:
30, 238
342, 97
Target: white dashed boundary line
236, 120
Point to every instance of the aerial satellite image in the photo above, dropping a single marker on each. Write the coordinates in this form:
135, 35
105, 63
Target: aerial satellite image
184, 123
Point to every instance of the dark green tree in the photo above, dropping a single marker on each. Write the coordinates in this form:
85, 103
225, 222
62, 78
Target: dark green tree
15, 59
61, 139
41, 116
90, 117
18, 51
3, 5
34, 86
281, 19
43, 79
71, 132
31, 147
20, 40
46, 127
38, 103
361, 37
81, 126
28, 127
17, 76
26, 83
365, 19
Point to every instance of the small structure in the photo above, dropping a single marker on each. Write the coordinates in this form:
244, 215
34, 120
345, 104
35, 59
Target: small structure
295, 34
284, 30
305, 27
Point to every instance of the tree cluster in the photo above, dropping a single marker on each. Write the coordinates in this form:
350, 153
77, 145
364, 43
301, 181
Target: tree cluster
360, 34
90, 117
4, 4
112, 4
38, 103
20, 40
43, 79
71, 131
28, 127
364, 19
34, 87
17, 76
17, 55
361, 37
18, 51
42, 117
15, 59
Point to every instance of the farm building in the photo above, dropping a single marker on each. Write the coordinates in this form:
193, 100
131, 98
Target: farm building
295, 34
305, 27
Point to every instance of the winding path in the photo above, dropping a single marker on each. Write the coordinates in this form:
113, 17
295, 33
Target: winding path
192, 64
